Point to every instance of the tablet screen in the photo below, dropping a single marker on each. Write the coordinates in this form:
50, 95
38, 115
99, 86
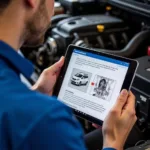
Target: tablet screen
92, 83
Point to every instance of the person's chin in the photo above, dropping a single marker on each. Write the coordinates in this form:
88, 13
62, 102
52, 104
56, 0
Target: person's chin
34, 43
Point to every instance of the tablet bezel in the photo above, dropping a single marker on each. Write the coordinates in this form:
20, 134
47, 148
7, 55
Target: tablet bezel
126, 84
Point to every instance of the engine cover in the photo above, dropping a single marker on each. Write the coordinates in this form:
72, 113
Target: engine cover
98, 31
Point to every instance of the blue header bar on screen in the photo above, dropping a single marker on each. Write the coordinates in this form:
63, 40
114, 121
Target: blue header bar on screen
111, 60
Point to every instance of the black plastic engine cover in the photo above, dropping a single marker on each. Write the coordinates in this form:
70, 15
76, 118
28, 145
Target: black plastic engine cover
89, 22
86, 27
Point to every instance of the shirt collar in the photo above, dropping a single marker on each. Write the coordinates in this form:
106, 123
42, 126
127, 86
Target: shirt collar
22, 65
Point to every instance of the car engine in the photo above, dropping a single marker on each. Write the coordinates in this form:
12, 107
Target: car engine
120, 27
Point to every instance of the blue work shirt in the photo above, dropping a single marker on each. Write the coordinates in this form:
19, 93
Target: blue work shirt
30, 120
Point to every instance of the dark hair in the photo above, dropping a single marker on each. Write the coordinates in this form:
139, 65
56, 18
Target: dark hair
4, 4
102, 80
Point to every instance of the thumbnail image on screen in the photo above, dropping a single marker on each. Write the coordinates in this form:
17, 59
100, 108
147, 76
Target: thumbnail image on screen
80, 79
102, 87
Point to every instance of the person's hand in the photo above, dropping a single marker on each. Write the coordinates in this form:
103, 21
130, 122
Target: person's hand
48, 78
119, 121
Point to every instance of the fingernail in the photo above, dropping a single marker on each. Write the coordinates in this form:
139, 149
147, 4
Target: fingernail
61, 58
124, 92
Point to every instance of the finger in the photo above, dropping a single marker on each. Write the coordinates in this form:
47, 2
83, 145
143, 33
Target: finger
57, 73
57, 66
131, 102
121, 101
133, 121
129, 110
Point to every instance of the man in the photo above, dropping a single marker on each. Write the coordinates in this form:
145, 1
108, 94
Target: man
28, 118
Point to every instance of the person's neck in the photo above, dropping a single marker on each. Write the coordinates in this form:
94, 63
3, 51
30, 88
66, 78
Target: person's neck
10, 30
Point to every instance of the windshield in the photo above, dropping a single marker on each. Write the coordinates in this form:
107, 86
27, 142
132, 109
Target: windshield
78, 75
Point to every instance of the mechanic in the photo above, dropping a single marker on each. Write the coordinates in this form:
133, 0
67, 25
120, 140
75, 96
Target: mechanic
30, 118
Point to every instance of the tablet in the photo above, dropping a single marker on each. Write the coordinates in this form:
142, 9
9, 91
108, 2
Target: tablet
91, 81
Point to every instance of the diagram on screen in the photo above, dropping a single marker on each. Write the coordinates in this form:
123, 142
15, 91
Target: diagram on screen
79, 80
102, 87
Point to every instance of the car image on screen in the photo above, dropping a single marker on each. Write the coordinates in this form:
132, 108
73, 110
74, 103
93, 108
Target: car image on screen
79, 79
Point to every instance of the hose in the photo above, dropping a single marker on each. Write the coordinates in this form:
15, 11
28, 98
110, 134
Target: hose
131, 47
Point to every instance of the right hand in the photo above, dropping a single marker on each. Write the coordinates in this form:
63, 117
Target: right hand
119, 121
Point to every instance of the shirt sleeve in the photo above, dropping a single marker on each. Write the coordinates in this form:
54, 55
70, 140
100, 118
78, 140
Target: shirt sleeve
57, 129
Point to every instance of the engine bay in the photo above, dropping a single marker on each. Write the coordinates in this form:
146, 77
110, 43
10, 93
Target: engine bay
120, 27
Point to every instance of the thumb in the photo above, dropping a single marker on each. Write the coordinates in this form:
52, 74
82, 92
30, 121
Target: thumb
57, 66
121, 101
